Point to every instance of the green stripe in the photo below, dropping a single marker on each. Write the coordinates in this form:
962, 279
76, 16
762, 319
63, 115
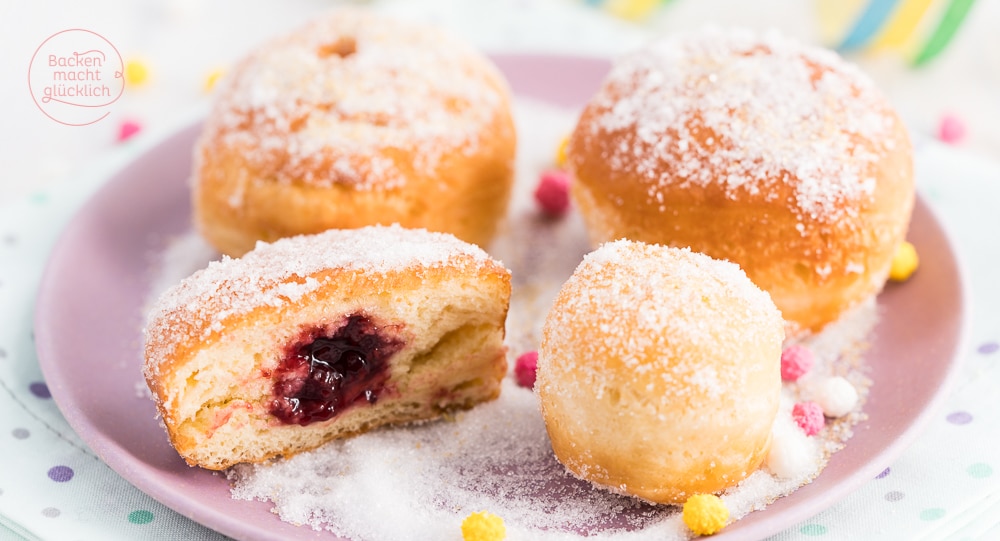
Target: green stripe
952, 19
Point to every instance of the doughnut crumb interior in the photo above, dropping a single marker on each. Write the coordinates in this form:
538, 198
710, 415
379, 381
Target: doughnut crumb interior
317, 337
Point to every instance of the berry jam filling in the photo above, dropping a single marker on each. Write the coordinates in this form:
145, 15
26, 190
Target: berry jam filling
325, 373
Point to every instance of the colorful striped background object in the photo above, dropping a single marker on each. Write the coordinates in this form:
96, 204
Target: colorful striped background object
919, 29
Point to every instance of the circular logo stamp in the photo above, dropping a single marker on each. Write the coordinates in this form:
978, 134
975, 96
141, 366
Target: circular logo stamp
74, 77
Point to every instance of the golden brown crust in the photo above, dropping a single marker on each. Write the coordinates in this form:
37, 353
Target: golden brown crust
211, 377
813, 222
342, 142
659, 372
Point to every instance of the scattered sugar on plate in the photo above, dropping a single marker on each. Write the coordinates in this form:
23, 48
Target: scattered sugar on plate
420, 481
179, 258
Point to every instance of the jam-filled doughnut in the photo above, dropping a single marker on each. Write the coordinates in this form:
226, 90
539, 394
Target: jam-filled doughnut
659, 372
355, 119
322, 336
780, 157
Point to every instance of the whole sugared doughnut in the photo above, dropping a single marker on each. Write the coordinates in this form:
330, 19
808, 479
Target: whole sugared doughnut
356, 119
659, 372
756, 149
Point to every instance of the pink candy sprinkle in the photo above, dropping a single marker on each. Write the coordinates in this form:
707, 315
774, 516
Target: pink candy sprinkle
796, 360
951, 130
809, 415
525, 368
552, 193
127, 129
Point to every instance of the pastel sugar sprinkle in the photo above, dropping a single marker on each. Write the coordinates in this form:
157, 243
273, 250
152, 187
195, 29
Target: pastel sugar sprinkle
904, 262
836, 396
705, 514
127, 129
792, 454
136, 72
212, 79
483, 526
632, 10
951, 129
525, 369
552, 193
796, 360
561, 151
809, 416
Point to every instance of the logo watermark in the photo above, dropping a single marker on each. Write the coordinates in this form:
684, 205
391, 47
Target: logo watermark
74, 77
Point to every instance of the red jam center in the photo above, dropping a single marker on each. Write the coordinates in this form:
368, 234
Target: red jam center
325, 373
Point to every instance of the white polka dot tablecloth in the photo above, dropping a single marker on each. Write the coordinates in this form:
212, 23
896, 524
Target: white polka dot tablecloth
945, 486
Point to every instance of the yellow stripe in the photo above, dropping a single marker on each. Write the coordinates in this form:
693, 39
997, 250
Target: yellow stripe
632, 10
902, 24
928, 23
836, 17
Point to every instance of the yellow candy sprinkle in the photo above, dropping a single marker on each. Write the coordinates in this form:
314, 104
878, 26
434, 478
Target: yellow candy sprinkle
705, 514
904, 262
212, 78
561, 152
632, 10
483, 526
136, 72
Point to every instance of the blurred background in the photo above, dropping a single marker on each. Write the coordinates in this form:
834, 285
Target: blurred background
937, 60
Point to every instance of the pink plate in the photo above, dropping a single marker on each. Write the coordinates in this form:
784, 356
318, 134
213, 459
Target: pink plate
88, 322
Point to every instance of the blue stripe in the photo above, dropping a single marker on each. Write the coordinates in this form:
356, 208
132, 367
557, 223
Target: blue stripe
868, 25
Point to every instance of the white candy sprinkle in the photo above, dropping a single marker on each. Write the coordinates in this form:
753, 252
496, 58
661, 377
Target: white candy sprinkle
792, 455
836, 396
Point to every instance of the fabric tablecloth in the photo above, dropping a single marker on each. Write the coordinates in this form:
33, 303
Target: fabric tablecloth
945, 486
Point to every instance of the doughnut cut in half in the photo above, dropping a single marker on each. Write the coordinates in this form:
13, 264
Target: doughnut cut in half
318, 337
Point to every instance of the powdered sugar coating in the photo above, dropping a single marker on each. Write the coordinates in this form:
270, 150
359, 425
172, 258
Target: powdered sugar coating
280, 273
653, 347
747, 114
332, 102
659, 288
345, 486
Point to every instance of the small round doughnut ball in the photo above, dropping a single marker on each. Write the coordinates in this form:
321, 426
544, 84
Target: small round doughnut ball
659, 372
356, 119
755, 149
